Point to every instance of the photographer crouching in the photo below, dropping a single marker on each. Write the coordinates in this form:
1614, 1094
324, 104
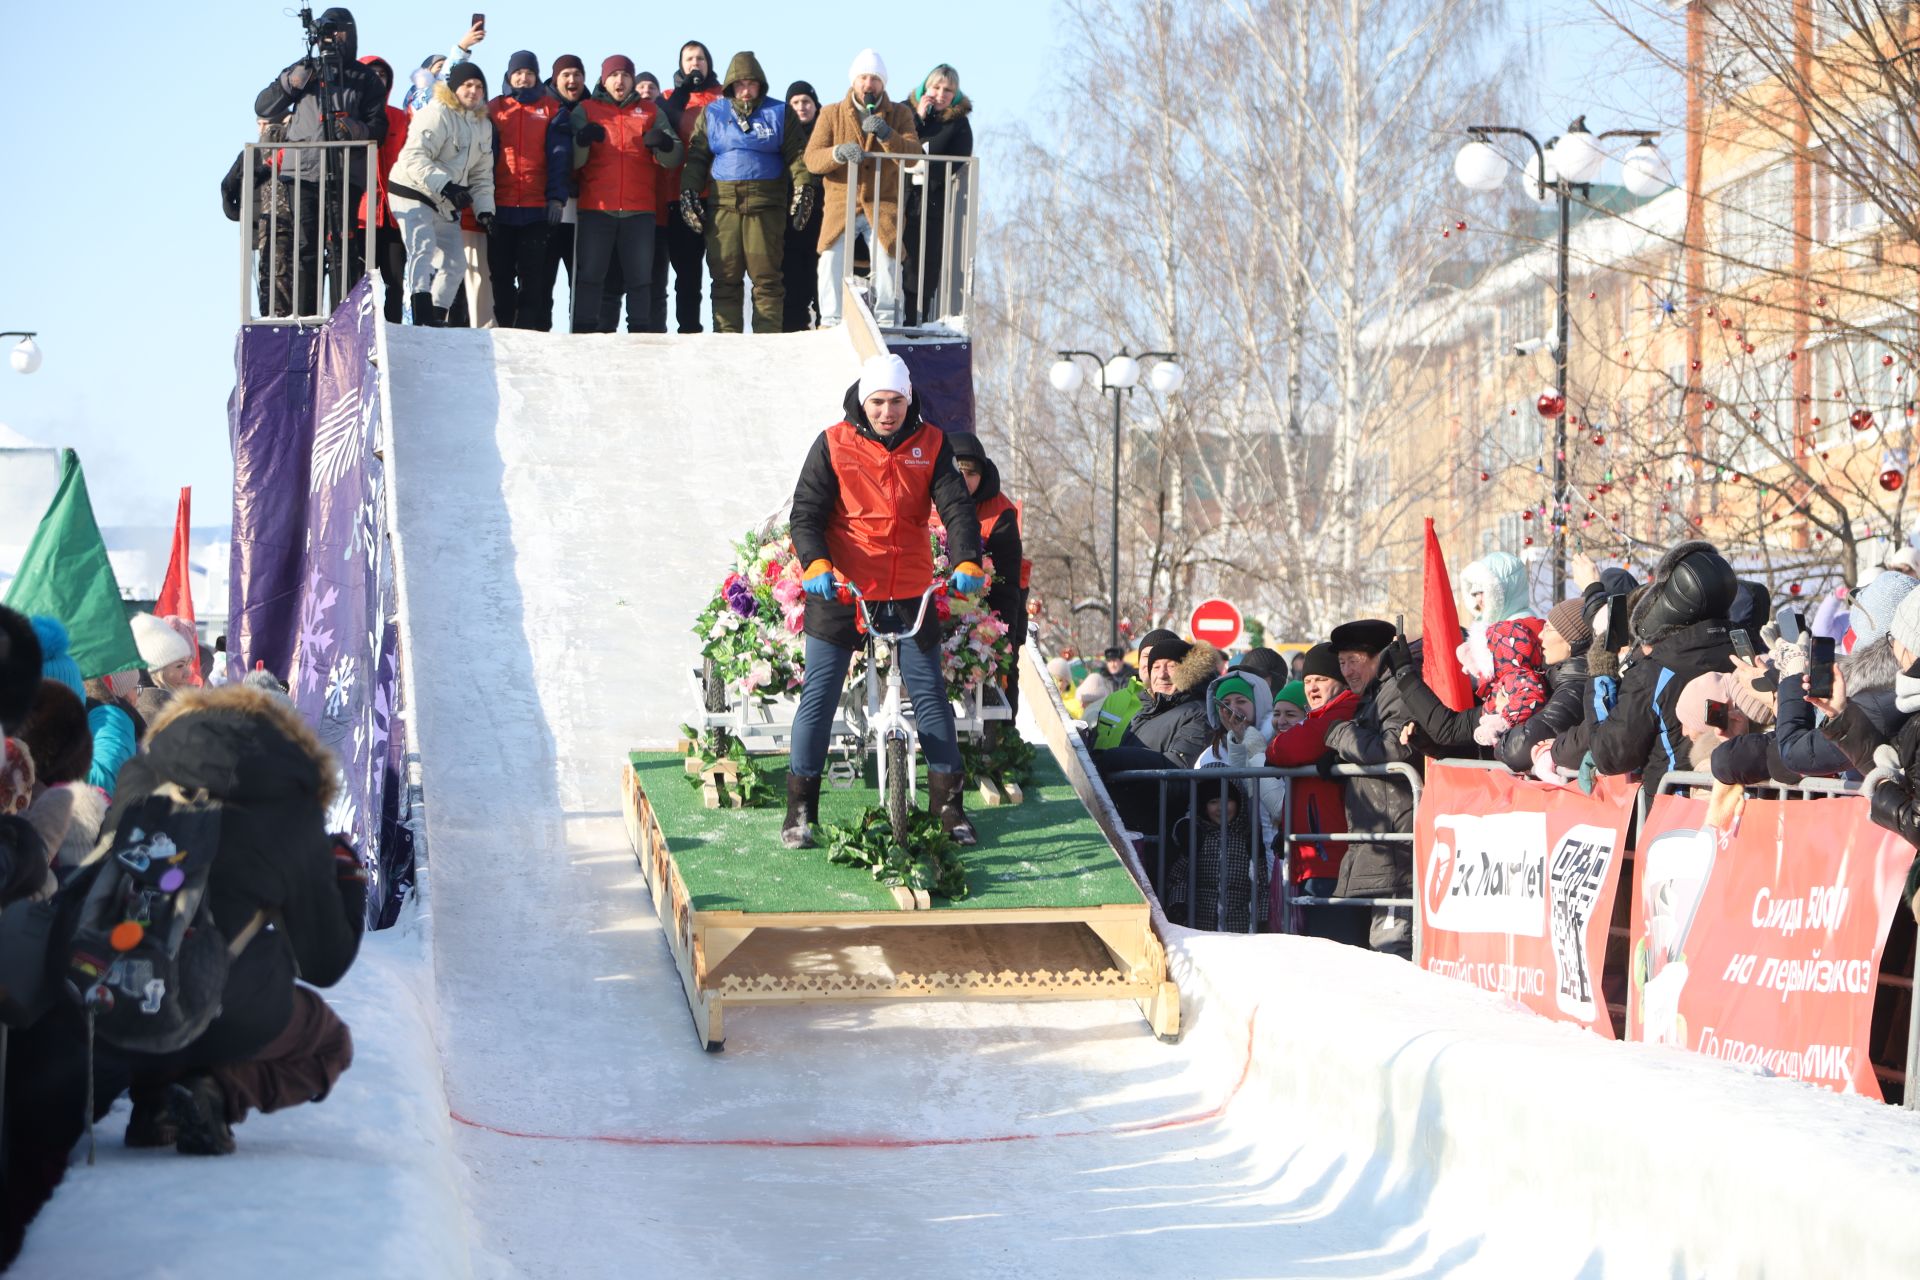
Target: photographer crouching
332, 99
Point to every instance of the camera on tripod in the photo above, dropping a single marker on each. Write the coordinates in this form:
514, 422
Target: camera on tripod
319, 32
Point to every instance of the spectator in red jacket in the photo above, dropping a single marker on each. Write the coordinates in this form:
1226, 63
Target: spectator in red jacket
531, 165
620, 143
389, 250
693, 88
1318, 804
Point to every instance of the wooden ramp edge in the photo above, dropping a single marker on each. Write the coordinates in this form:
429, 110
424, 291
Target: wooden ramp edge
728, 958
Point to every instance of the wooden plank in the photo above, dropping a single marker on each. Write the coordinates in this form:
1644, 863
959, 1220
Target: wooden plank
902, 897
990, 793
1013, 793
955, 916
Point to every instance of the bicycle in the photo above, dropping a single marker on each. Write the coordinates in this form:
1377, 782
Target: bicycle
896, 743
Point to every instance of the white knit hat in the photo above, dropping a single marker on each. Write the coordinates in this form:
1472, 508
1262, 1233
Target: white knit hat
1906, 623
885, 373
159, 644
866, 63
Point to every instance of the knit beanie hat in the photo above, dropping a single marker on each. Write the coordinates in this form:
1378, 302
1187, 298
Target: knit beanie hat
647, 77
158, 643
523, 60
1905, 628
1322, 660
58, 735
1874, 605
884, 373
1174, 650
1293, 691
1153, 640
1232, 683
463, 72
866, 63
55, 662
19, 667
1569, 619
615, 62
1266, 664
569, 62
799, 87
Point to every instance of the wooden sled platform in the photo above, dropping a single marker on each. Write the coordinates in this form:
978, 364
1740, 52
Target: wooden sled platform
1051, 913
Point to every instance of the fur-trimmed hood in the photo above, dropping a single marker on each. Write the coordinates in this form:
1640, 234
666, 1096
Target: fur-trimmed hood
241, 743
1198, 669
445, 97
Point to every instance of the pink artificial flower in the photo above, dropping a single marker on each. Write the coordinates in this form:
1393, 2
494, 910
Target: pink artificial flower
795, 616
789, 592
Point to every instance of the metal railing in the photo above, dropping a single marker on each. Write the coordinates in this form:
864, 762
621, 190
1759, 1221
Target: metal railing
297, 258
913, 187
1284, 835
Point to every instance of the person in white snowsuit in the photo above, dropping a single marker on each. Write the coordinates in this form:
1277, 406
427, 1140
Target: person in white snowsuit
446, 166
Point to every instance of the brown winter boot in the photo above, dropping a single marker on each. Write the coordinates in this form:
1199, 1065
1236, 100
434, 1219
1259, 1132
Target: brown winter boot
803, 811
151, 1124
199, 1109
943, 797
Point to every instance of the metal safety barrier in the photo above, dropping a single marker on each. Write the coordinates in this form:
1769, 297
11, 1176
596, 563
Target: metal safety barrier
299, 251
1284, 836
935, 202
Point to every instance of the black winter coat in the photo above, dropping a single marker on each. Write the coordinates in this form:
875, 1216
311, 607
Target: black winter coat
1176, 725
1005, 597
341, 99
1372, 736
1869, 718
253, 752
816, 504
1750, 760
1895, 803
1643, 734
1566, 708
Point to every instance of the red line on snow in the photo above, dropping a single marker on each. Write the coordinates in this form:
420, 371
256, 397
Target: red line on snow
880, 1142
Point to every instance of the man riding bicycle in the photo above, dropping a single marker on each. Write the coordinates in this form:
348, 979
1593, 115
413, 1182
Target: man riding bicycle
860, 513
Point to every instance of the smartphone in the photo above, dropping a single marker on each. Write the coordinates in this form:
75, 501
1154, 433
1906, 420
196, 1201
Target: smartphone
1790, 626
1716, 715
479, 20
1820, 668
1742, 643
1619, 628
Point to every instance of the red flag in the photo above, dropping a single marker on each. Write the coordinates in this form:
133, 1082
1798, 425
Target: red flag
176, 593
1440, 633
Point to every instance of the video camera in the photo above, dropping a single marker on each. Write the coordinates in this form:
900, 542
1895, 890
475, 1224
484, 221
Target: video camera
318, 32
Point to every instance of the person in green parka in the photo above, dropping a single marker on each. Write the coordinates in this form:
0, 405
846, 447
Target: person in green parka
745, 144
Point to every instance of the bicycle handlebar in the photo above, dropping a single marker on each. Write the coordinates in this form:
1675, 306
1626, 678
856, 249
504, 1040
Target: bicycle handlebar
919, 619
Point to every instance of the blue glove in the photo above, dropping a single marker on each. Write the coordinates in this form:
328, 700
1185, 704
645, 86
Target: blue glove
818, 581
968, 578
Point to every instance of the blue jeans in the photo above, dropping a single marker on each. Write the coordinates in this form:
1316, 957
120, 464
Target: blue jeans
820, 696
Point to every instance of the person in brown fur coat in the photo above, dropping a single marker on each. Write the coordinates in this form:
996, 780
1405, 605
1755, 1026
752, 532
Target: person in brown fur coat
863, 120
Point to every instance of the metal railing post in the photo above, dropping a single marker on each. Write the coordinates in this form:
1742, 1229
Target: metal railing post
246, 231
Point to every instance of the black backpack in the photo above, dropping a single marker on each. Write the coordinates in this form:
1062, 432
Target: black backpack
146, 959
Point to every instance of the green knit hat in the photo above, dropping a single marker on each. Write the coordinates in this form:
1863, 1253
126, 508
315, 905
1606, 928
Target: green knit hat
1232, 684
1293, 691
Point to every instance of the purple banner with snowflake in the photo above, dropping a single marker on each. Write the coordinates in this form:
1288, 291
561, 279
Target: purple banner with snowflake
943, 379
314, 455
270, 420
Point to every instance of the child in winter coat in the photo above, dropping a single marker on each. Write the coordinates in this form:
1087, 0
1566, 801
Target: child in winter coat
445, 168
1512, 689
1224, 841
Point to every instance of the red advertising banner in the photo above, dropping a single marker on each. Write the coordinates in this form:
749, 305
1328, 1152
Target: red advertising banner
1760, 944
1517, 881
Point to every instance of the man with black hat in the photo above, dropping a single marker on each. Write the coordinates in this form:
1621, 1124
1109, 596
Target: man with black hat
1679, 629
1119, 670
532, 167
1169, 732
1370, 655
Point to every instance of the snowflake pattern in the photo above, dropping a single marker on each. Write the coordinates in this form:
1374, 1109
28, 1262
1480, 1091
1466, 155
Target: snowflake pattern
315, 641
340, 683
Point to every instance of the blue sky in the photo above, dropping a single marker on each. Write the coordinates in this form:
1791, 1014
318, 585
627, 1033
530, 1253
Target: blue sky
116, 250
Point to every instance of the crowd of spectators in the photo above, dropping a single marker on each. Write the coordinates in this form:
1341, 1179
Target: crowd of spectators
1688, 671
478, 201
83, 763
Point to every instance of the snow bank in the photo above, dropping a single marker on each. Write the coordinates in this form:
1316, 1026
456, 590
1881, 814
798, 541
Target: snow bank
366, 1183
1541, 1150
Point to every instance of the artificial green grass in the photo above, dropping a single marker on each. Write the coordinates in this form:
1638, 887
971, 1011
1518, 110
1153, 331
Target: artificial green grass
1045, 853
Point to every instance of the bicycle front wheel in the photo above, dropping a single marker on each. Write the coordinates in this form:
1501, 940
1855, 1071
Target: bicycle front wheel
899, 787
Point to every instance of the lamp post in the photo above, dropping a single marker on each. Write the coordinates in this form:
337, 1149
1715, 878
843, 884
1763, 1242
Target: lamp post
1574, 159
25, 357
1119, 374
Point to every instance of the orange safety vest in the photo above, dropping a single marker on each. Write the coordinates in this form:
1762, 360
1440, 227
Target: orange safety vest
877, 538
621, 175
989, 512
520, 161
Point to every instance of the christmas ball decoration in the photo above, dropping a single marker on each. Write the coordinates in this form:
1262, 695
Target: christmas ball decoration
1816, 422
1459, 226
1793, 355
1526, 542
1820, 301
1891, 480
1694, 365
1526, 515
1550, 404
1599, 439
1860, 419
1484, 476
1747, 347
1708, 406
1793, 588
1886, 362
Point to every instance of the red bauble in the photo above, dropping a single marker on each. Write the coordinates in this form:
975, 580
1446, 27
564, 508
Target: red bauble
1459, 226
1694, 365
1664, 508
1708, 406
1550, 404
1526, 542
1526, 515
1860, 419
1886, 362
1816, 422
1484, 476
1599, 440
1820, 301
1793, 355
1793, 588
1891, 480
1747, 347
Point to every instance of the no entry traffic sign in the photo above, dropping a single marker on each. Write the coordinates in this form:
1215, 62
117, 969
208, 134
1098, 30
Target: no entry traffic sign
1217, 622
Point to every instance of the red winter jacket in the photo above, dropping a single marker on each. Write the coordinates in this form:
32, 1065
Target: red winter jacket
621, 174
1317, 804
520, 150
389, 152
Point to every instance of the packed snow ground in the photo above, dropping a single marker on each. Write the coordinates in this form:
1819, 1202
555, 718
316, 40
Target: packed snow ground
529, 1099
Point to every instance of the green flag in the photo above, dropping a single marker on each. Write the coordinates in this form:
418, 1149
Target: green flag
65, 574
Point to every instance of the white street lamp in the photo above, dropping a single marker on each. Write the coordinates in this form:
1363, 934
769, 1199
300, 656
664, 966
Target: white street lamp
1123, 371
1576, 156
1479, 167
25, 357
1644, 171
1166, 377
1066, 376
